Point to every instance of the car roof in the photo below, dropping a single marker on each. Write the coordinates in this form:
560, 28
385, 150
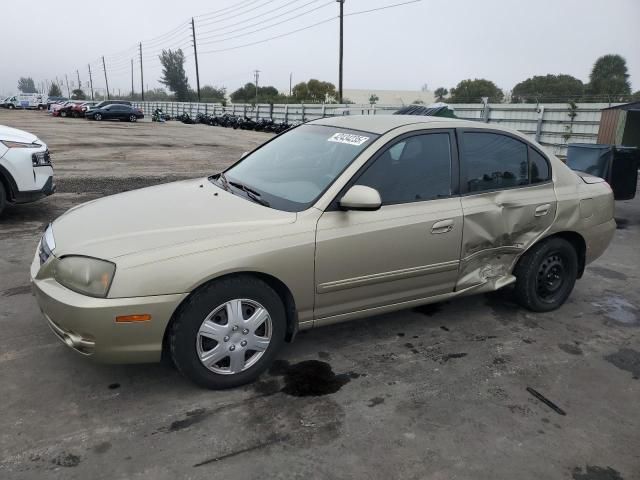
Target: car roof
383, 123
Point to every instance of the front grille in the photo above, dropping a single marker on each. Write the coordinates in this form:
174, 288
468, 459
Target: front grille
41, 159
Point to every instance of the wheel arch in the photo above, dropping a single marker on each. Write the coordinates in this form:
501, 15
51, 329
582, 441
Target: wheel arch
283, 291
576, 240
8, 183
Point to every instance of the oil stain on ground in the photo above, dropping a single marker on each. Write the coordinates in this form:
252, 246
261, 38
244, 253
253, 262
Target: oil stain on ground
66, 460
310, 378
21, 290
430, 309
192, 417
593, 472
626, 359
608, 273
570, 349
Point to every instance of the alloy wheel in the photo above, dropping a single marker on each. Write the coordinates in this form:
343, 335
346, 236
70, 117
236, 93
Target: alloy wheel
234, 336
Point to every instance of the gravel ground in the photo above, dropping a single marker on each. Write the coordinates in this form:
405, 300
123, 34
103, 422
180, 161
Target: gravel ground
435, 393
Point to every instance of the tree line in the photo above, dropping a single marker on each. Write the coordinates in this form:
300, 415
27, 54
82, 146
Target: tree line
608, 80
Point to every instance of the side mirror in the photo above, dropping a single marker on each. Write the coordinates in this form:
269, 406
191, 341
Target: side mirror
361, 197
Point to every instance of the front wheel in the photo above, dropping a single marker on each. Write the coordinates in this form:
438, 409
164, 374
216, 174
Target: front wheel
11, 107
228, 332
3, 198
546, 275
133, 118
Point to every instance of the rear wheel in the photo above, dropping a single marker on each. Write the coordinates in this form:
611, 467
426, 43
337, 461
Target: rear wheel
228, 332
11, 106
546, 275
98, 116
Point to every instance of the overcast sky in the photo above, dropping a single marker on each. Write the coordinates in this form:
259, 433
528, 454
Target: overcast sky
433, 42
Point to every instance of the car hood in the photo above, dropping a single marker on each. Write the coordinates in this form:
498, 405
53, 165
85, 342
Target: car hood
190, 211
15, 135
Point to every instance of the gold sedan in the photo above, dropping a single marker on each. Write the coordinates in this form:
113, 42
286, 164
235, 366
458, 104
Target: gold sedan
337, 219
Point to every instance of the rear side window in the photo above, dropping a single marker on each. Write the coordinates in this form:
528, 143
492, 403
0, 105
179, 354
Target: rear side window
415, 169
493, 161
539, 167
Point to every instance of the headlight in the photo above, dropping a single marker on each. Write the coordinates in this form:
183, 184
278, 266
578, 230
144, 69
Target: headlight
9, 144
86, 275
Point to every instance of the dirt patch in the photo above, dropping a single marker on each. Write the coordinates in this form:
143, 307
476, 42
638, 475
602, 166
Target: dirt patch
593, 472
311, 378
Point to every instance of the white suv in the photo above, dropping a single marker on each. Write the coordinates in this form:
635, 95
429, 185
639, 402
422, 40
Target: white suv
26, 174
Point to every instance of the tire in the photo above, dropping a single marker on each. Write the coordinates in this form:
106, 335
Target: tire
75, 114
3, 198
133, 118
207, 309
63, 114
97, 117
546, 274
11, 106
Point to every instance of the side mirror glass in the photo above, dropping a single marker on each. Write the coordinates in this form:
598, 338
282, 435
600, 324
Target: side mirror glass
361, 197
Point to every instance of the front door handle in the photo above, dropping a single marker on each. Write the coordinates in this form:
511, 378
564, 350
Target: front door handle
443, 226
542, 210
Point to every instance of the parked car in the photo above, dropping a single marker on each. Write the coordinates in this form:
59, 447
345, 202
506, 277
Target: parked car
79, 109
337, 219
26, 101
68, 108
55, 108
26, 174
52, 100
104, 103
115, 112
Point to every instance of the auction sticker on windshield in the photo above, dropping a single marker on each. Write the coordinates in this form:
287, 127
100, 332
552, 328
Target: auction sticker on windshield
348, 138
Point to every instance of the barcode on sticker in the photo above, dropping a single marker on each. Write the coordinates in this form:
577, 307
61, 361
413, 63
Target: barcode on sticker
348, 138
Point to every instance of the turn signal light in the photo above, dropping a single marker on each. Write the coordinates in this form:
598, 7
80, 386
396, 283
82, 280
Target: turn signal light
145, 317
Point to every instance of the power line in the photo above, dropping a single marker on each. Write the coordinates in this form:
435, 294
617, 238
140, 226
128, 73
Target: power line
228, 9
381, 8
265, 27
306, 28
267, 2
271, 38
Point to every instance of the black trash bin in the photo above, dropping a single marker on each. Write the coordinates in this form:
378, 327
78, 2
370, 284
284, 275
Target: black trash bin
618, 165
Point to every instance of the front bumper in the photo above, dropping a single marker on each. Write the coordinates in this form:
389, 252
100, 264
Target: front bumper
49, 188
88, 325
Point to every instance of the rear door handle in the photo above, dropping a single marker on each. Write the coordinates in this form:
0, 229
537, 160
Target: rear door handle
542, 210
443, 226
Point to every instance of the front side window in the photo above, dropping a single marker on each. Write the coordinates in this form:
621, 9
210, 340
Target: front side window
415, 169
493, 161
293, 170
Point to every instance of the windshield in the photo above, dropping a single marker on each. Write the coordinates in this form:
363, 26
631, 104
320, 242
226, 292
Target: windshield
293, 170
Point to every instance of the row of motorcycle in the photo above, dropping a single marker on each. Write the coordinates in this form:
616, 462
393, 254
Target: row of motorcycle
227, 120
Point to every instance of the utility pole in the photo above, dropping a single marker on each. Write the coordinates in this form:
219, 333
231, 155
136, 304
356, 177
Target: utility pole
291, 84
341, 54
79, 83
141, 73
90, 81
67, 80
256, 74
195, 51
104, 67
132, 79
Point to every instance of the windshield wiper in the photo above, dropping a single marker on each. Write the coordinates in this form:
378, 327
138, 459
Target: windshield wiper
252, 194
224, 181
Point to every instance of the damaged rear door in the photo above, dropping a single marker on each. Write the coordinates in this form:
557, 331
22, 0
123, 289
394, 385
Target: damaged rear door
508, 201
